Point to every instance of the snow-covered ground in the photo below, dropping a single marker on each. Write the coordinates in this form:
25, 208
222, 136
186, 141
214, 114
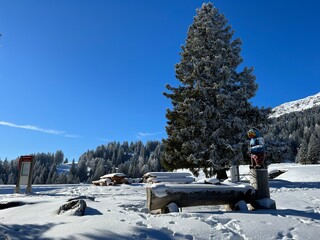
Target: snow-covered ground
119, 212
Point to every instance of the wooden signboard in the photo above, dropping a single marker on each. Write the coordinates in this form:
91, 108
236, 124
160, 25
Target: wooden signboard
25, 170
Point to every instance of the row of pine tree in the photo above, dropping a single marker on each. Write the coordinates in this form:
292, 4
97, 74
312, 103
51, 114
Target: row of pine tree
134, 159
294, 137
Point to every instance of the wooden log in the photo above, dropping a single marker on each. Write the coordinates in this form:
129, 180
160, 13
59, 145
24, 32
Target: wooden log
168, 174
188, 195
101, 182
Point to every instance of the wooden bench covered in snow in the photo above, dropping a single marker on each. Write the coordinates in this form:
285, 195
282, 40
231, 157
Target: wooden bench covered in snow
112, 179
168, 177
161, 196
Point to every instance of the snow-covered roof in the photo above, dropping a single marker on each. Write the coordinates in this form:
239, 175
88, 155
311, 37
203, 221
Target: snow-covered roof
111, 175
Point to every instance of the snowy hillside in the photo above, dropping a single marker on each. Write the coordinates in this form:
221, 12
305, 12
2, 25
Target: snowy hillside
119, 212
64, 167
298, 105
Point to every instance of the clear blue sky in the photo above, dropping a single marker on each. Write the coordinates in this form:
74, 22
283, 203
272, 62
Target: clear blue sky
78, 74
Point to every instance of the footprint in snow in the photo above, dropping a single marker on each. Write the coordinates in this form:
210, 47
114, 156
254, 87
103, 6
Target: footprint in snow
141, 224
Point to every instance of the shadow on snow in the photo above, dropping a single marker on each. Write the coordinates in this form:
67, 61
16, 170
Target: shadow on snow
25, 231
287, 184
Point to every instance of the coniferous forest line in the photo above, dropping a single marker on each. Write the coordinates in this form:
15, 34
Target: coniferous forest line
293, 137
133, 159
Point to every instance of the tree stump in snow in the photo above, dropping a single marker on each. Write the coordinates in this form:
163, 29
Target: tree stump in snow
234, 172
259, 179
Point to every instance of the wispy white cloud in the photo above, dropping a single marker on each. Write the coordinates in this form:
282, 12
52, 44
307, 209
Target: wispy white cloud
38, 129
146, 134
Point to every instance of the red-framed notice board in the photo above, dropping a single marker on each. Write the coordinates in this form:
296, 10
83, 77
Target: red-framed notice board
25, 171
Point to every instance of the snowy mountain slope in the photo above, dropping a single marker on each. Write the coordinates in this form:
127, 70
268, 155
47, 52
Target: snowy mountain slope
295, 106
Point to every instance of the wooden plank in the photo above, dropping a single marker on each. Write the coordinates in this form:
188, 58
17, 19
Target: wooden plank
172, 180
168, 174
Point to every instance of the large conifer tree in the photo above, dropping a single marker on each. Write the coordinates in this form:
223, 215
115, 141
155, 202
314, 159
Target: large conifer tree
211, 111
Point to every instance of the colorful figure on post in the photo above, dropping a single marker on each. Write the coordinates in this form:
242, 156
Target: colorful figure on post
256, 148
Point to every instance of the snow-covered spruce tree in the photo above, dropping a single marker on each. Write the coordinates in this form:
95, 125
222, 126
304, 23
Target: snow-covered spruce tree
302, 155
211, 112
313, 149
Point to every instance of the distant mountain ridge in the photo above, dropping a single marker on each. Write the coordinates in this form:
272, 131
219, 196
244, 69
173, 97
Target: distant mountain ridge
295, 106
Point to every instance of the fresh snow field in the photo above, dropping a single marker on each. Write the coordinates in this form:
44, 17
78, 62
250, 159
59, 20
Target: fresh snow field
119, 212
